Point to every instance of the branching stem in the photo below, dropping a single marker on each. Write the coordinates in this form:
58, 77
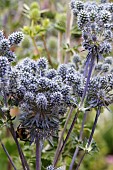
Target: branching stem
91, 136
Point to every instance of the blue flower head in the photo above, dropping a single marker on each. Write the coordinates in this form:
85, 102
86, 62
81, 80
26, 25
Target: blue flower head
15, 38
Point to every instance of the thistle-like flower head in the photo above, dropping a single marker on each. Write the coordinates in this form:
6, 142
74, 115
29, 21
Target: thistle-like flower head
44, 97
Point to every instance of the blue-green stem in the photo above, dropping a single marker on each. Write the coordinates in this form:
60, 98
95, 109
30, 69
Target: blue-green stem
90, 137
62, 134
5, 150
88, 79
38, 155
80, 138
22, 157
67, 137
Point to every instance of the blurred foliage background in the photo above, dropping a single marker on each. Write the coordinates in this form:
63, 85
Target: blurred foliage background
43, 26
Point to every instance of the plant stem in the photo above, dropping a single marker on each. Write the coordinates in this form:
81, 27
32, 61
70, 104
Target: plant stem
80, 138
88, 80
33, 38
5, 150
22, 157
35, 45
69, 22
90, 137
59, 45
80, 161
94, 126
62, 134
38, 155
67, 137
48, 54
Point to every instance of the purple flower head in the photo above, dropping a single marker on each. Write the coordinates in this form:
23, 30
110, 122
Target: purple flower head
15, 38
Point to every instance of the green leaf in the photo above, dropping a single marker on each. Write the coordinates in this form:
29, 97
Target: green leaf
1, 122
1, 98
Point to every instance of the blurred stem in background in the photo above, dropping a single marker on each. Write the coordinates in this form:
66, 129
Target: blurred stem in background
69, 22
46, 49
35, 46
59, 48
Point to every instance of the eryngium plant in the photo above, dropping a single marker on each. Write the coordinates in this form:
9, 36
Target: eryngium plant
6, 58
42, 96
96, 22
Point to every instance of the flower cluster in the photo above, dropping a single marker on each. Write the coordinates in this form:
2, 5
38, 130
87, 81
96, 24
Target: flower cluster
100, 86
6, 43
4, 68
41, 94
7, 56
95, 21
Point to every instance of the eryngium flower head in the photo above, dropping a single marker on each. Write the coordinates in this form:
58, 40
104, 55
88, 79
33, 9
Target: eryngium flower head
92, 15
56, 98
42, 63
41, 101
10, 56
43, 83
105, 67
62, 70
51, 73
29, 97
83, 18
65, 90
76, 6
105, 16
15, 38
79, 5
108, 34
76, 58
72, 4
4, 46
99, 91
105, 48
4, 67
1, 35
